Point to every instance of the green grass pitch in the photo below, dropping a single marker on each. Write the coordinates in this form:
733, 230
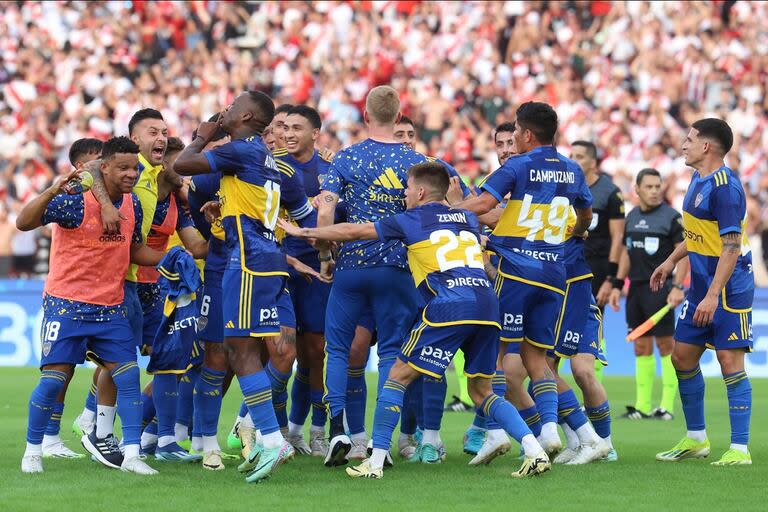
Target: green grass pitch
636, 482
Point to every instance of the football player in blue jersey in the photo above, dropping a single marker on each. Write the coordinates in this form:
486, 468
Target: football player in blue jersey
371, 275
529, 239
460, 311
717, 312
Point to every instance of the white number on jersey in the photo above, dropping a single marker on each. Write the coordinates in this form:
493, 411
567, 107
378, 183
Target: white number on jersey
472, 254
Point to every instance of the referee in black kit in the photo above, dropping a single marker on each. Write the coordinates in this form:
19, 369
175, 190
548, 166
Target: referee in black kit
653, 230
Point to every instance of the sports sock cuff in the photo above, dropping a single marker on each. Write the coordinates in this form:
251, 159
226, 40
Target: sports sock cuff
688, 374
734, 378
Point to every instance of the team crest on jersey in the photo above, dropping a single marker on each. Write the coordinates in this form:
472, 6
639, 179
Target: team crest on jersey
699, 199
202, 321
47, 348
651, 245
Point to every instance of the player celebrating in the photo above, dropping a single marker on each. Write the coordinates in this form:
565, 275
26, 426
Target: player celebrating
369, 177
717, 311
83, 304
250, 200
652, 231
461, 311
529, 239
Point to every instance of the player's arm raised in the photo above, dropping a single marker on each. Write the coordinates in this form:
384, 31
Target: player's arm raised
725, 265
31, 216
343, 232
191, 160
479, 205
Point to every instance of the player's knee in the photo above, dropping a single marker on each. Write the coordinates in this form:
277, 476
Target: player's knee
731, 361
666, 345
358, 354
583, 376
478, 390
402, 373
215, 356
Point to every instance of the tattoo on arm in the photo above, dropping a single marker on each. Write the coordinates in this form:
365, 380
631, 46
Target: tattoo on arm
328, 198
732, 243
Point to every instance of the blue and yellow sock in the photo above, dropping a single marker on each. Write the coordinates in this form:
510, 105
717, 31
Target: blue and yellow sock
739, 406
54, 423
505, 415
279, 382
165, 393
411, 404
243, 410
147, 409
569, 410
257, 394
388, 408
41, 404
357, 392
532, 418
691, 385
301, 397
545, 396
433, 400
319, 409
600, 417
90, 400
185, 401
499, 384
128, 383
207, 400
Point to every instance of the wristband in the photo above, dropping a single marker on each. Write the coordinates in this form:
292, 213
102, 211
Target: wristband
324, 259
613, 268
678, 286
617, 283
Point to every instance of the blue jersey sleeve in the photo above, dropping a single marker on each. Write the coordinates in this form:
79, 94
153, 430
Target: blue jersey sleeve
728, 209
501, 182
293, 197
391, 228
337, 174
138, 215
184, 219
65, 210
226, 158
583, 197
453, 172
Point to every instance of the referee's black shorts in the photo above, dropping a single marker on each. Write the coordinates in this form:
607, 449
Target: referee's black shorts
642, 303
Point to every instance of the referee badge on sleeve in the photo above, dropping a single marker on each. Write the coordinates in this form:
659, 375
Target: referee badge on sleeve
593, 224
651, 245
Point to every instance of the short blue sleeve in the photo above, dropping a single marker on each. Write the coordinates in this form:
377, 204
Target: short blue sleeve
501, 182
391, 228
226, 158
337, 175
453, 172
138, 216
583, 197
65, 210
728, 208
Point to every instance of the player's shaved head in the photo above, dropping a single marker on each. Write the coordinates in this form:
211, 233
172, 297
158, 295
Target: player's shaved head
383, 105
433, 177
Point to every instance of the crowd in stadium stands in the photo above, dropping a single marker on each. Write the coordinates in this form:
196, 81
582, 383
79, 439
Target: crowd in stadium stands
629, 76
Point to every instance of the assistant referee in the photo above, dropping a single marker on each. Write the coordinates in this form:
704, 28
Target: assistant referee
652, 231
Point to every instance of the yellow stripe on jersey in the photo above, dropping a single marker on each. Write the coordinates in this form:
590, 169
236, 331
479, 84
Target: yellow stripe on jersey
396, 183
534, 221
146, 191
703, 236
280, 152
721, 178
285, 168
442, 251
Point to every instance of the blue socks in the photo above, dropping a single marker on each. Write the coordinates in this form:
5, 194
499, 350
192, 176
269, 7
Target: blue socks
279, 383
165, 392
357, 392
319, 411
691, 386
532, 418
739, 405
480, 422
301, 398
147, 409
388, 407
184, 402
243, 410
600, 417
505, 415
129, 406
90, 400
41, 404
54, 423
569, 410
412, 404
433, 400
257, 394
207, 400
545, 396
499, 384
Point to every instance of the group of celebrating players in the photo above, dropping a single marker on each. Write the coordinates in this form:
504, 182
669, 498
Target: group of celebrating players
311, 258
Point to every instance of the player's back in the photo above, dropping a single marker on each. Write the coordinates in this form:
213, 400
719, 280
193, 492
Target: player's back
202, 189
531, 233
370, 178
445, 258
714, 206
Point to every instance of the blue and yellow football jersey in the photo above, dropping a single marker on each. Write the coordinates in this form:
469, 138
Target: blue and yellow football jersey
250, 202
202, 189
576, 266
446, 261
530, 236
716, 205
370, 178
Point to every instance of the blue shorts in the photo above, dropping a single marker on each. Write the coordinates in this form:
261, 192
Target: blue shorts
134, 311
310, 300
285, 310
580, 326
250, 305
528, 312
67, 341
210, 325
430, 349
152, 309
730, 329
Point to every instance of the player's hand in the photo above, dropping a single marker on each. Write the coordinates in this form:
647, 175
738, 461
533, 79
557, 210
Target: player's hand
326, 270
289, 228
675, 297
110, 219
315, 202
705, 311
604, 293
613, 299
212, 211
305, 270
659, 276
326, 153
454, 195
207, 130
59, 185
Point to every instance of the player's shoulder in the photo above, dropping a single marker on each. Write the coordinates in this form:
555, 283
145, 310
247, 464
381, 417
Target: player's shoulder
280, 152
322, 158
284, 164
